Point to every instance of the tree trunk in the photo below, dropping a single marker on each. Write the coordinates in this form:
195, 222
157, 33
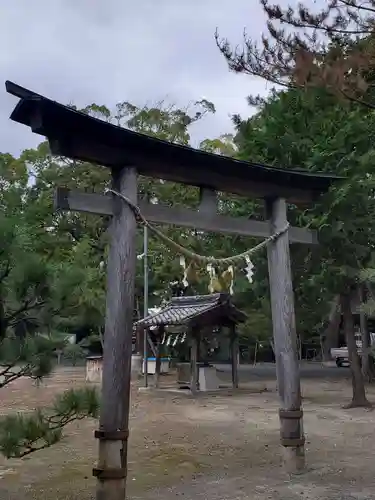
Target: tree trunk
368, 370
359, 393
3, 325
330, 337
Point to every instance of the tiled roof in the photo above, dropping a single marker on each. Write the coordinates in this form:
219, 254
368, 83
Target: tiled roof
181, 310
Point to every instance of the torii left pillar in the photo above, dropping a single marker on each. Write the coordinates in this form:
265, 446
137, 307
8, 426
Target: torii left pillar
113, 430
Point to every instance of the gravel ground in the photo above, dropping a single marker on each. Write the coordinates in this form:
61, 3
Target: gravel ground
217, 447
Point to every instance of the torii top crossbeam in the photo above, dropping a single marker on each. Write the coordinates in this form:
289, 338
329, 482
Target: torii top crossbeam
82, 137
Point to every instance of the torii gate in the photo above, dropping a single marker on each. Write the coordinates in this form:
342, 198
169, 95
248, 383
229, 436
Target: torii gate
127, 153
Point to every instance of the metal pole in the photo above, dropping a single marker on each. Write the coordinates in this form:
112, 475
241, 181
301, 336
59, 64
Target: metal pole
145, 303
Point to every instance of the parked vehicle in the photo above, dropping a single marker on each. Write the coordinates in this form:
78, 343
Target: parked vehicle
341, 354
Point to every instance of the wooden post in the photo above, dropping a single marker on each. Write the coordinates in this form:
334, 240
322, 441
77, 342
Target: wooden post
255, 353
285, 340
208, 202
145, 357
114, 414
194, 350
234, 355
157, 365
159, 336
145, 304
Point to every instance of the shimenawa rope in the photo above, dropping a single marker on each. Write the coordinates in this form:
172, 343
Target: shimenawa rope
199, 259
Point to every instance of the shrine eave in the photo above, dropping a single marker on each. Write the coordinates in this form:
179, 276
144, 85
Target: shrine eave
202, 310
82, 137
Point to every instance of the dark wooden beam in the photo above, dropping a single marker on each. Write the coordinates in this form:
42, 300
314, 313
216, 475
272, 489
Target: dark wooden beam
208, 201
194, 358
161, 214
234, 348
83, 149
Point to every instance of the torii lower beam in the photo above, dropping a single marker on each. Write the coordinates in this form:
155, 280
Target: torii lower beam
205, 220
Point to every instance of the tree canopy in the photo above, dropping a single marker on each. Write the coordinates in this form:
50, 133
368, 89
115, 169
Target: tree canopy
324, 57
306, 46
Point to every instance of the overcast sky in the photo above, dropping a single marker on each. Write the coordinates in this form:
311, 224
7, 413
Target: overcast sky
106, 51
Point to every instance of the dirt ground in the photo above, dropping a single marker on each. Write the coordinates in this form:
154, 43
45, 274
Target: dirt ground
221, 447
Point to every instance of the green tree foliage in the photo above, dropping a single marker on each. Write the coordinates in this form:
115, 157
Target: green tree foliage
23, 434
34, 285
305, 46
325, 54
74, 352
223, 145
31, 356
312, 130
329, 48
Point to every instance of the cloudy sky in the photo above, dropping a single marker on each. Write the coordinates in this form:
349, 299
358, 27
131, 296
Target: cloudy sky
106, 51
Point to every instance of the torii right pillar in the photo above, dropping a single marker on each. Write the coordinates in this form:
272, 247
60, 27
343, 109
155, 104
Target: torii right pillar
285, 339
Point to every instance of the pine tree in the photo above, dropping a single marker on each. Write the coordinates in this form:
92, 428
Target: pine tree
332, 47
33, 287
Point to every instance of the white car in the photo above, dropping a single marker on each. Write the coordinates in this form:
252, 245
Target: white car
341, 354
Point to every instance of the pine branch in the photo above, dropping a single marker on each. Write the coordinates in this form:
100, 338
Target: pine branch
294, 55
21, 435
27, 305
30, 449
362, 102
6, 370
354, 4
328, 29
6, 272
30, 357
11, 376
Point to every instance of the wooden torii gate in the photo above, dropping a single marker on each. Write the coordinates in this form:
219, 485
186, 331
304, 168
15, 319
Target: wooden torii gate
127, 154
